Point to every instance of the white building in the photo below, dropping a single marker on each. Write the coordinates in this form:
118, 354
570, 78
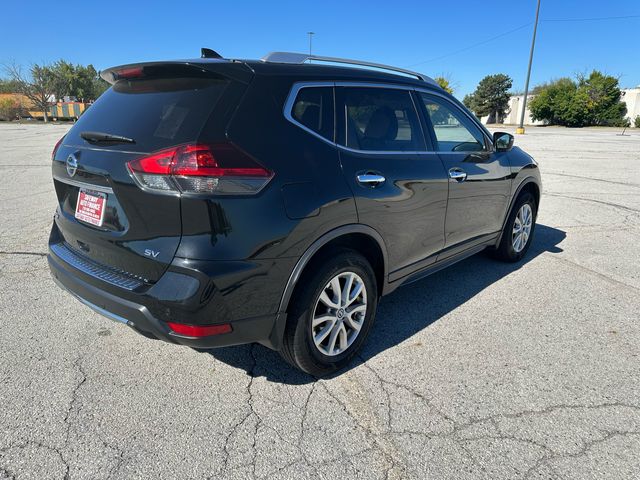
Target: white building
630, 96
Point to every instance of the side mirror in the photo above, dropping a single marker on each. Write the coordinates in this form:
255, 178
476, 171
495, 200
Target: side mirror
502, 141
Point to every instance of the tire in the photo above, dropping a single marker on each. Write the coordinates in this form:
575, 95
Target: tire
299, 347
510, 249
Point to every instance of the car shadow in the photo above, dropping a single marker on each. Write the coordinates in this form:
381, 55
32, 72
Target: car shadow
403, 313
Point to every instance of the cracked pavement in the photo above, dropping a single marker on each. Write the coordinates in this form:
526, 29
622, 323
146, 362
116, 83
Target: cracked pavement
484, 370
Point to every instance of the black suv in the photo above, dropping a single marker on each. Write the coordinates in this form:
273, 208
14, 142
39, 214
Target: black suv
214, 202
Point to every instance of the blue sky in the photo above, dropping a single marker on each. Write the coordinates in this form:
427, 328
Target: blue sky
432, 37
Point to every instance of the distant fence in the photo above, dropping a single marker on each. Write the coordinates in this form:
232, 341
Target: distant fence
63, 110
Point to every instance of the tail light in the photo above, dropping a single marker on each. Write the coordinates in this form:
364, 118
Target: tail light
131, 72
200, 168
55, 149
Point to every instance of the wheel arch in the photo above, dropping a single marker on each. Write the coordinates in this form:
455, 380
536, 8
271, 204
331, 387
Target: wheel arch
349, 236
528, 184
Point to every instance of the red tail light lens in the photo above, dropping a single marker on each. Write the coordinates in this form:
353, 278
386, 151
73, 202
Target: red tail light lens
200, 168
200, 330
55, 149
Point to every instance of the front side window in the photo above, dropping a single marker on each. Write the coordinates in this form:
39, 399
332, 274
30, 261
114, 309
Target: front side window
313, 108
380, 119
454, 132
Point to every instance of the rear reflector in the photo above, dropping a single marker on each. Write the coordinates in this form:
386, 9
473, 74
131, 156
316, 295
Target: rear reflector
200, 168
200, 330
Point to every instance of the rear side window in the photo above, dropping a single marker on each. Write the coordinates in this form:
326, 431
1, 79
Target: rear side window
313, 108
156, 113
380, 119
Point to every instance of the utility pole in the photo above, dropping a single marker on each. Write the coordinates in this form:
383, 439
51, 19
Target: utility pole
520, 129
310, 35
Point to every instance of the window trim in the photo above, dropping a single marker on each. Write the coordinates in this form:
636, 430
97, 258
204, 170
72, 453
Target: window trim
297, 86
291, 100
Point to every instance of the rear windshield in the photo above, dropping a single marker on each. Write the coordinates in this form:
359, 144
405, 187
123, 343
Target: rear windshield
156, 113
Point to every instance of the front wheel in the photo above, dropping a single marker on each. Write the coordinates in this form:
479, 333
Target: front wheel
331, 313
518, 230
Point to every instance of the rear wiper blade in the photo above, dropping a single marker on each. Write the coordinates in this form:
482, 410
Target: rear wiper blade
100, 137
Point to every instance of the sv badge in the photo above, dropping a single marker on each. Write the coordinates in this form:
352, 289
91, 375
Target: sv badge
151, 253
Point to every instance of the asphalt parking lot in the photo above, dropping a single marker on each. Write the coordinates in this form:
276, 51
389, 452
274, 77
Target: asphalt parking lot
484, 370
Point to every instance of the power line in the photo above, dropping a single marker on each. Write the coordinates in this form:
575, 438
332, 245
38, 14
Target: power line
471, 46
555, 20
589, 19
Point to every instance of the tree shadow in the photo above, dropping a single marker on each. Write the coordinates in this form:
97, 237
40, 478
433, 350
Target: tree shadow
403, 313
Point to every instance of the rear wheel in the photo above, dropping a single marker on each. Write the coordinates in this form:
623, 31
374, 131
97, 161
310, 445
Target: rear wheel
331, 313
518, 230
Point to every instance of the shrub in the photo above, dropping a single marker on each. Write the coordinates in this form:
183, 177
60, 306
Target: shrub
10, 108
592, 100
636, 122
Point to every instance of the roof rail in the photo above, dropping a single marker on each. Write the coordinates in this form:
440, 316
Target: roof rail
292, 57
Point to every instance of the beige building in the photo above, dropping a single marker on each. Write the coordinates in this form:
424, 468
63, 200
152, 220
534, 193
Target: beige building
630, 96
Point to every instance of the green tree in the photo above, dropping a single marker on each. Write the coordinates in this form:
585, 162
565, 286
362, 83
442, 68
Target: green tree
577, 112
553, 101
491, 97
39, 87
592, 100
603, 93
8, 86
99, 86
445, 83
79, 81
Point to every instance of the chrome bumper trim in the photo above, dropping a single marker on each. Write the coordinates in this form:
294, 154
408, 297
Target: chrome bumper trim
88, 186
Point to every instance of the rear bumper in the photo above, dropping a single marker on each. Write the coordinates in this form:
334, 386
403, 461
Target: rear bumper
148, 311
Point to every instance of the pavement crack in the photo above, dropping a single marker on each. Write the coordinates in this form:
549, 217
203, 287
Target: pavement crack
378, 438
586, 447
74, 397
626, 184
543, 411
595, 272
253, 410
35, 443
38, 254
602, 202
421, 397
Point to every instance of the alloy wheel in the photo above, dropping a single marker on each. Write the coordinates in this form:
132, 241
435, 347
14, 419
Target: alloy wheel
522, 228
339, 314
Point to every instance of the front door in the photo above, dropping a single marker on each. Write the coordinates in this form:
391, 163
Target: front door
400, 189
479, 177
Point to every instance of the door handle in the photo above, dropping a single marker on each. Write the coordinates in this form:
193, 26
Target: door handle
371, 180
458, 175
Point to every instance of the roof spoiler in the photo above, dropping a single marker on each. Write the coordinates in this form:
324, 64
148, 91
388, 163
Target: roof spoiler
207, 67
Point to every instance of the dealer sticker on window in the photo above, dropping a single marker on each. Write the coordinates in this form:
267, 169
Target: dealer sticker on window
90, 207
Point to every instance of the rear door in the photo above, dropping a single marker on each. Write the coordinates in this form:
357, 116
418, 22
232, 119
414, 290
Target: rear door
479, 177
399, 187
139, 231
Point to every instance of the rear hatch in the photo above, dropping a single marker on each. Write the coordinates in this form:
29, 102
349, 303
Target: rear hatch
104, 216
